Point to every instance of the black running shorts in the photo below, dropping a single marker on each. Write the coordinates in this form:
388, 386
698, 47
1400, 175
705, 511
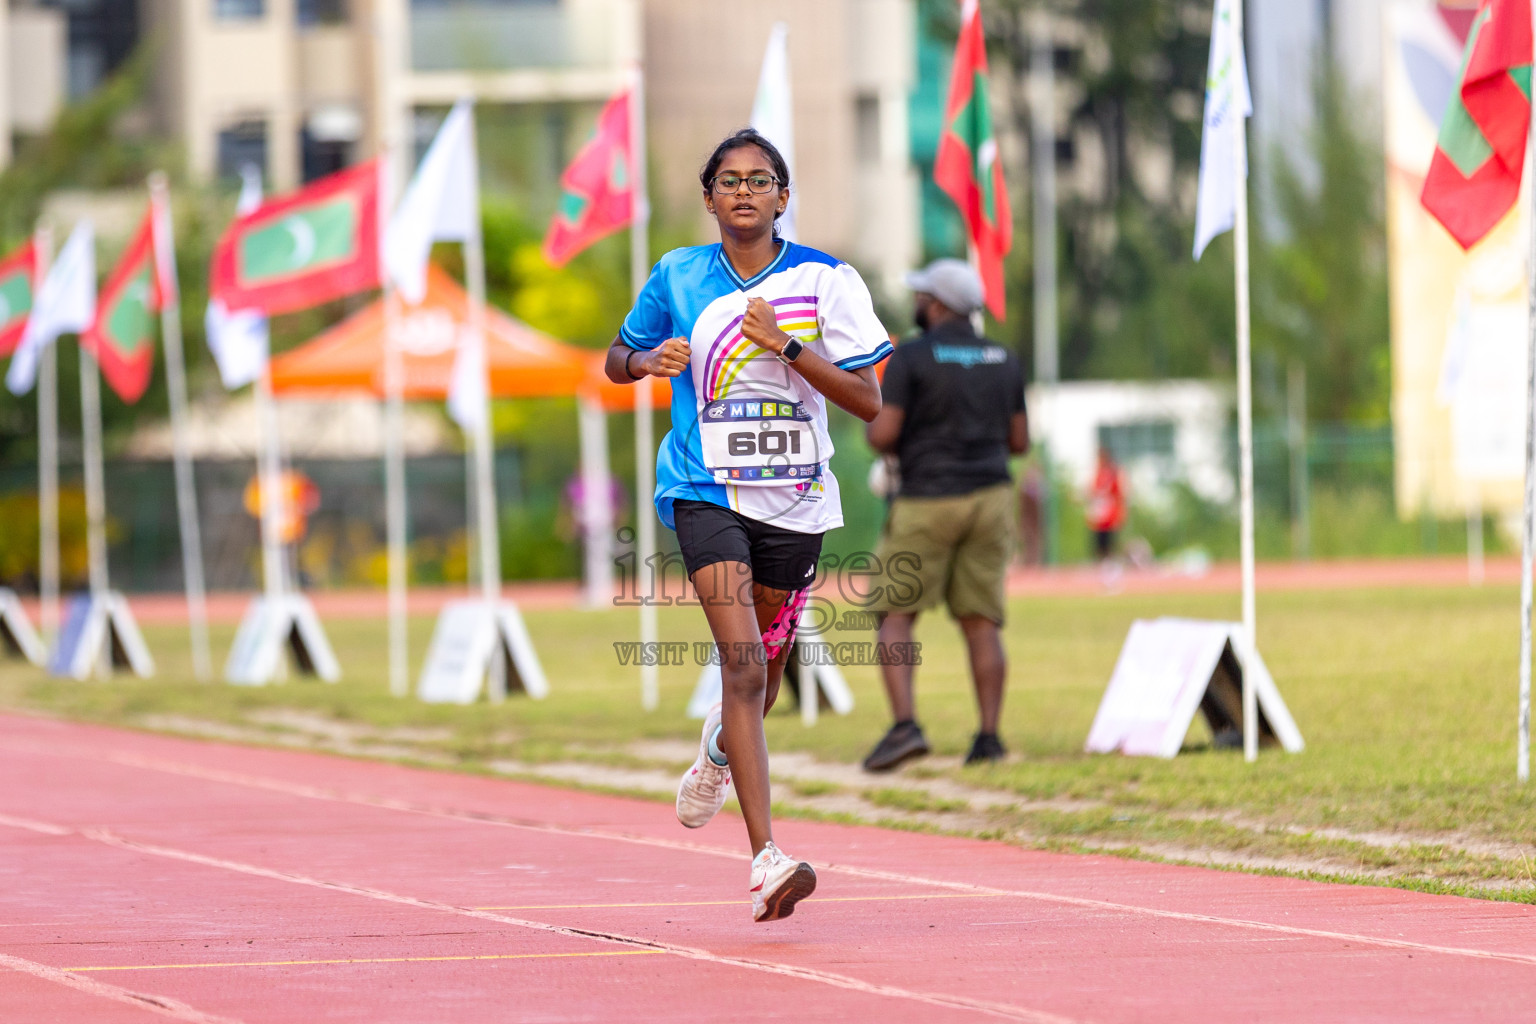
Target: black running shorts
779, 558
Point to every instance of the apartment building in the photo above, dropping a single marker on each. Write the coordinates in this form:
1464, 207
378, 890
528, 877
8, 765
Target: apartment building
303, 87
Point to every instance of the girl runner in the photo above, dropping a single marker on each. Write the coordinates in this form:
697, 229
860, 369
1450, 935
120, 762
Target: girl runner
755, 332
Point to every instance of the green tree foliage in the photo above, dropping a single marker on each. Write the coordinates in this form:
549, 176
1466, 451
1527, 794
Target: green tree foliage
1133, 302
1320, 286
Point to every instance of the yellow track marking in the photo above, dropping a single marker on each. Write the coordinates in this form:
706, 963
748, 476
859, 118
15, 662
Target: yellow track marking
367, 960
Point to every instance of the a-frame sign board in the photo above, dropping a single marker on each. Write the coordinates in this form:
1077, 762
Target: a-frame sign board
1171, 668
807, 664
478, 646
17, 637
99, 635
271, 625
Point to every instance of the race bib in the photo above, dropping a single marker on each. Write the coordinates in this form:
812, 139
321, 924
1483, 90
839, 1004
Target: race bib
758, 441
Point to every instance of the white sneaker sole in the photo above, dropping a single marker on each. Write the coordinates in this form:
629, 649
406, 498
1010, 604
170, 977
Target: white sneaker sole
780, 903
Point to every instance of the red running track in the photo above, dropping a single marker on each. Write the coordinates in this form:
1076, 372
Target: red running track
145, 878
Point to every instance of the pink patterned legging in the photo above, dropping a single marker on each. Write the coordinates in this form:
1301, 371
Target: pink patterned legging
781, 630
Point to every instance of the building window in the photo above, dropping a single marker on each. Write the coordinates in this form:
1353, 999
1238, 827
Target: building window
1142, 439
241, 144
323, 156
239, 10
866, 126
322, 12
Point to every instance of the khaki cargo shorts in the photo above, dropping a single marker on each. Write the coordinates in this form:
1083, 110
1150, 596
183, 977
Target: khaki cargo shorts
951, 549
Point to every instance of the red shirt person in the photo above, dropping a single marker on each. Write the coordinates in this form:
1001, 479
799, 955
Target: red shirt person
1106, 505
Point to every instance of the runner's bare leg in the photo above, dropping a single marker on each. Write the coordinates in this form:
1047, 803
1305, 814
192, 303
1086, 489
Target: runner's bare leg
737, 615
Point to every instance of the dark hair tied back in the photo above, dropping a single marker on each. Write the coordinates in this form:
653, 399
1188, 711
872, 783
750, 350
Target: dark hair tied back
737, 140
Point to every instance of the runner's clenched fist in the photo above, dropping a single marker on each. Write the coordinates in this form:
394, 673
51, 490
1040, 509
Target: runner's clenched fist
669, 359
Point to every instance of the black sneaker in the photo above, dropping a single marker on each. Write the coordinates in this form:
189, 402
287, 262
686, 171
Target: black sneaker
903, 741
986, 747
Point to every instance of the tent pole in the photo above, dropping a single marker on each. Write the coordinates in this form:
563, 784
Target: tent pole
394, 499
596, 512
645, 441
47, 465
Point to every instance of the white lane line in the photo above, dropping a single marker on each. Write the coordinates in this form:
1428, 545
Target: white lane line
385, 803
163, 1005
952, 1002
33, 826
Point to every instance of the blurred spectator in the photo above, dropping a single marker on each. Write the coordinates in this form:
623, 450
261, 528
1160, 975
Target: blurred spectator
1106, 505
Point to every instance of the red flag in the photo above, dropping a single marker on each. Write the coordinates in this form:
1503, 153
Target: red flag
1474, 177
122, 338
967, 167
305, 248
597, 190
18, 285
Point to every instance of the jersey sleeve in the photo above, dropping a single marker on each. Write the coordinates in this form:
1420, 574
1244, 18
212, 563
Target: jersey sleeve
649, 322
852, 336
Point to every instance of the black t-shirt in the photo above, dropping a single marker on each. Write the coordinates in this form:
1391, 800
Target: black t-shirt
959, 393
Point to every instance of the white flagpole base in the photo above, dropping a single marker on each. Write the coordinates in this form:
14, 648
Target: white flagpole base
480, 646
270, 624
16, 633
99, 634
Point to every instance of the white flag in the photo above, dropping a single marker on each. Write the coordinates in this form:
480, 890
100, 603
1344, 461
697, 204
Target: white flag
1227, 106
440, 204
66, 304
239, 341
773, 113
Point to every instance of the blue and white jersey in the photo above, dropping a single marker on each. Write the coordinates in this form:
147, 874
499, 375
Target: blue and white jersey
748, 432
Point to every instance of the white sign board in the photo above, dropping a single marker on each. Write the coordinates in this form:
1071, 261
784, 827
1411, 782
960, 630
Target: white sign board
270, 625
16, 633
99, 635
807, 666
473, 643
1171, 668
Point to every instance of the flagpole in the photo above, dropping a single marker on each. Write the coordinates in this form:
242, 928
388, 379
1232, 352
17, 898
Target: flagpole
645, 441
1042, 124
181, 454
1528, 533
485, 479
47, 463
269, 482
394, 476
398, 566
1244, 400
95, 487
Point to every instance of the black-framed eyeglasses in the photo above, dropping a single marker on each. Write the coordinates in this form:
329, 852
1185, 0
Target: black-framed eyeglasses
730, 184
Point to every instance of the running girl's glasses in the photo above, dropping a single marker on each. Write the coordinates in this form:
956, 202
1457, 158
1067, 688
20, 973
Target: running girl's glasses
730, 184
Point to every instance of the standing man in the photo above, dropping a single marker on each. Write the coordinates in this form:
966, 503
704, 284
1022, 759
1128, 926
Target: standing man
953, 414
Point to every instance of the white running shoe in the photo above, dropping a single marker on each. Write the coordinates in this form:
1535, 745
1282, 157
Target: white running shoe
701, 793
778, 883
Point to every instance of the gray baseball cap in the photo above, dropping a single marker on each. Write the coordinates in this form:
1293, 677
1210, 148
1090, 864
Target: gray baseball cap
953, 282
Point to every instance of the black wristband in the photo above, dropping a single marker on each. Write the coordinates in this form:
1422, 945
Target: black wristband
627, 371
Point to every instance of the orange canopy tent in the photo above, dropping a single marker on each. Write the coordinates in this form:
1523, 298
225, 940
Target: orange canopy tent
524, 363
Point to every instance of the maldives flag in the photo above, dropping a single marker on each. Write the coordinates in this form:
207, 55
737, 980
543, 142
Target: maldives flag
598, 194
122, 337
1474, 177
305, 248
18, 278
966, 166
